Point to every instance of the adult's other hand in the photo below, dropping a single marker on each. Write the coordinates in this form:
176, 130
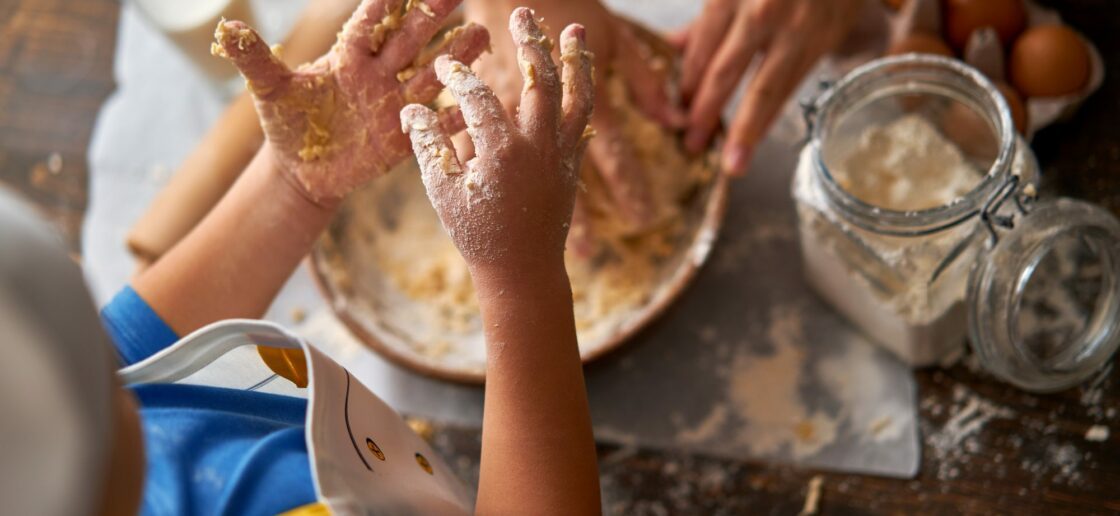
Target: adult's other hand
789, 36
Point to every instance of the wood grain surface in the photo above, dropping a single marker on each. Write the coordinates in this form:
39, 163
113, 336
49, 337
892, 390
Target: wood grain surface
55, 71
987, 448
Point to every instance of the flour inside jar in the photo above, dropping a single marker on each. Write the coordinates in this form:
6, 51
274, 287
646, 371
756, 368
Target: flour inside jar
905, 165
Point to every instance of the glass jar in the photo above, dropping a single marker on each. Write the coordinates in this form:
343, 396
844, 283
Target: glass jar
906, 195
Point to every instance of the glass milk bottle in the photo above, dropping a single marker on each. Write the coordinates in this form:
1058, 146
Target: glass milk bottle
908, 195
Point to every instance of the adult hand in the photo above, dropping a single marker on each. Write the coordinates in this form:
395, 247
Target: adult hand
616, 48
333, 124
789, 36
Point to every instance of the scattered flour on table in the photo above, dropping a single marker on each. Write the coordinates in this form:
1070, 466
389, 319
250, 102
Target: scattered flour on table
1061, 465
707, 429
1097, 433
1092, 392
689, 484
853, 378
765, 394
1036, 444
954, 442
766, 411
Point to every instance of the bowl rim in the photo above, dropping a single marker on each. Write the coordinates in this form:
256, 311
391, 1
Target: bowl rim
695, 255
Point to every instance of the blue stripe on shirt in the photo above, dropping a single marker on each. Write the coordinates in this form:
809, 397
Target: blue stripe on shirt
210, 451
137, 330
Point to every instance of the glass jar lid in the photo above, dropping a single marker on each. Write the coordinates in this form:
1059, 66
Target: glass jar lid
1044, 303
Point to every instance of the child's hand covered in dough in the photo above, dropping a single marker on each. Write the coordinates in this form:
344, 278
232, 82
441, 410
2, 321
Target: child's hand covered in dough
332, 124
509, 208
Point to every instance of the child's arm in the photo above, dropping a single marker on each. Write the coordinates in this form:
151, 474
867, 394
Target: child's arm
235, 261
508, 212
330, 127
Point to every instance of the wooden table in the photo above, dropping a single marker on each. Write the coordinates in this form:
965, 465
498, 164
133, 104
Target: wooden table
987, 448
56, 62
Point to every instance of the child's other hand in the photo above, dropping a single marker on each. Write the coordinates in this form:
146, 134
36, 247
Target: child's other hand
618, 51
509, 208
332, 124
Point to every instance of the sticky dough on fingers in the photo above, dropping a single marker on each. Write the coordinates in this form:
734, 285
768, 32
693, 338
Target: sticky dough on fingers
266, 75
579, 88
539, 110
420, 21
370, 25
487, 122
463, 44
433, 148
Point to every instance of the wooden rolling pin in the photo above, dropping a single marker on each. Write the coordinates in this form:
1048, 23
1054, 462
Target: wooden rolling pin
227, 148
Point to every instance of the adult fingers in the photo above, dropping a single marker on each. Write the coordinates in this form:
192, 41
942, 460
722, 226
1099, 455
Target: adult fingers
540, 93
463, 44
678, 39
753, 29
621, 172
434, 152
783, 67
720, 79
421, 20
266, 74
487, 122
647, 84
579, 86
706, 35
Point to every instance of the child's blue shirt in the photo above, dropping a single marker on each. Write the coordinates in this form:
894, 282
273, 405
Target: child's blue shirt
210, 450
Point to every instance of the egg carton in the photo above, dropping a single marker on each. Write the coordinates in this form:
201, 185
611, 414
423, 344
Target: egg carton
984, 52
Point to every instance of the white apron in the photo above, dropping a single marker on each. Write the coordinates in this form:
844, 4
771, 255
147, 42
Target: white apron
364, 458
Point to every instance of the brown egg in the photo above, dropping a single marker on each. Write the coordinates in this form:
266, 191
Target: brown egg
1049, 60
1015, 103
921, 43
1007, 17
